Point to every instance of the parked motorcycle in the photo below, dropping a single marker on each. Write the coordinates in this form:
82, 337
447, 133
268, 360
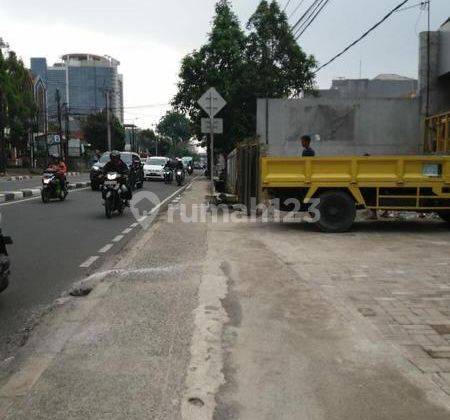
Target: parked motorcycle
4, 261
168, 176
112, 193
52, 188
179, 177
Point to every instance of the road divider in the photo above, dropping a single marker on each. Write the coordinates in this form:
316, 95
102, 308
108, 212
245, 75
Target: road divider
7, 196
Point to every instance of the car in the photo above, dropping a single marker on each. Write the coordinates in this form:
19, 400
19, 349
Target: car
132, 160
187, 160
154, 167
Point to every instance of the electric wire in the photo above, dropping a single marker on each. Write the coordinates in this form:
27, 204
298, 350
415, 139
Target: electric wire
364, 35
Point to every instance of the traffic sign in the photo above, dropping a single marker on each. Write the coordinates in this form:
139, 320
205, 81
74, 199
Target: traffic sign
212, 102
217, 126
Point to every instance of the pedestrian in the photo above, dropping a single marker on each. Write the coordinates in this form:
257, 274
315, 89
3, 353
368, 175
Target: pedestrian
308, 151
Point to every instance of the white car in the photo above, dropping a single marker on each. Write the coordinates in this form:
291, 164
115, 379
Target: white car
154, 167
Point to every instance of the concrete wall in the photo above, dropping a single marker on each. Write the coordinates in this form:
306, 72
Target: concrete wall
345, 126
375, 88
439, 71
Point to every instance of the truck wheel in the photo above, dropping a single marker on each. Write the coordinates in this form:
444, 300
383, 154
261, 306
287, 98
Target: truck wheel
445, 215
337, 212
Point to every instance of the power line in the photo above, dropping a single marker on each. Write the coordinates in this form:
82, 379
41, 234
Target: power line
301, 31
363, 35
286, 5
296, 9
306, 14
421, 4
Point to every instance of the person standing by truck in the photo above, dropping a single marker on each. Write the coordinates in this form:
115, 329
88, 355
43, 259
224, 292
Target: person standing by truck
308, 151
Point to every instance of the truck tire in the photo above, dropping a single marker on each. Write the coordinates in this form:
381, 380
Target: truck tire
337, 212
445, 215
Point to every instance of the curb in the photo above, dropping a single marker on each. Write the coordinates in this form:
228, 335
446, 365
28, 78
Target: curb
28, 177
34, 192
19, 178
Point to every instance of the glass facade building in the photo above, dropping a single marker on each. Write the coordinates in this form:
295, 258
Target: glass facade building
83, 81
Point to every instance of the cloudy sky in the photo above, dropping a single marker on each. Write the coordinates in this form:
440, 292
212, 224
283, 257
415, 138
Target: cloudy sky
150, 37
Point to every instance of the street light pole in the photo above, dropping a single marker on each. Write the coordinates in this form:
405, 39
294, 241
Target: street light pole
108, 121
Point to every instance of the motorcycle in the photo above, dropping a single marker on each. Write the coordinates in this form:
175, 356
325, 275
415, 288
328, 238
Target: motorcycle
190, 169
179, 177
113, 194
4, 261
52, 188
168, 176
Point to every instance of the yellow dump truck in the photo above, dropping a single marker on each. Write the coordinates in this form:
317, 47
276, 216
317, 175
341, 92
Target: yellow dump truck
342, 185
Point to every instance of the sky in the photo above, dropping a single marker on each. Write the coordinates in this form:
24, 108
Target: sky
151, 37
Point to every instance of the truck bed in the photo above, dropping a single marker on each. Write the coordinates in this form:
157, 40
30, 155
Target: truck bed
359, 171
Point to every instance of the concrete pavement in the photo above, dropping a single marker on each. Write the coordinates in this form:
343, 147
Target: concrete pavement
122, 352
242, 320
56, 244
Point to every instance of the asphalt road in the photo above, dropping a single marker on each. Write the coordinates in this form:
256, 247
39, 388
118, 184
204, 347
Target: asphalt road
35, 182
51, 242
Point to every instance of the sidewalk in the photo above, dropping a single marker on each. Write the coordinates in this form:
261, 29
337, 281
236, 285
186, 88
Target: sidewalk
247, 321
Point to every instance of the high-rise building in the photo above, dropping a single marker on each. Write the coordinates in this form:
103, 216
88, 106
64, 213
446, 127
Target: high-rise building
83, 81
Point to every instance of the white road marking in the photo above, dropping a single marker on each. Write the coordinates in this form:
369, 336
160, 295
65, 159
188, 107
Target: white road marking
9, 203
127, 231
134, 225
118, 238
106, 248
89, 262
156, 208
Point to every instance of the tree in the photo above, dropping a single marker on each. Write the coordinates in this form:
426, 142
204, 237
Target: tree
19, 108
175, 127
277, 66
266, 63
147, 140
94, 127
219, 63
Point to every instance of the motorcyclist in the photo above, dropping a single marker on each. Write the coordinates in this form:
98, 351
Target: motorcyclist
58, 166
116, 164
180, 166
170, 164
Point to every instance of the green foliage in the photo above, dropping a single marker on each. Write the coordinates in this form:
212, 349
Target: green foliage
265, 63
278, 67
19, 108
95, 130
175, 127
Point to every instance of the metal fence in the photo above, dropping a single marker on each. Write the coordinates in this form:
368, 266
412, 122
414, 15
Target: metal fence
243, 174
437, 134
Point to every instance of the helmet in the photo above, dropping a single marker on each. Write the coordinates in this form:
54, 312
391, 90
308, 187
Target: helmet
114, 155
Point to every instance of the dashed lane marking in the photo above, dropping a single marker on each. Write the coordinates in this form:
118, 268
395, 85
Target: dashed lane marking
106, 248
89, 262
118, 238
127, 231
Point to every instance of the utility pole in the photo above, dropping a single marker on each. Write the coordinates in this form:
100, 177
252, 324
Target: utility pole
428, 5
108, 120
2, 133
212, 144
59, 113
67, 131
